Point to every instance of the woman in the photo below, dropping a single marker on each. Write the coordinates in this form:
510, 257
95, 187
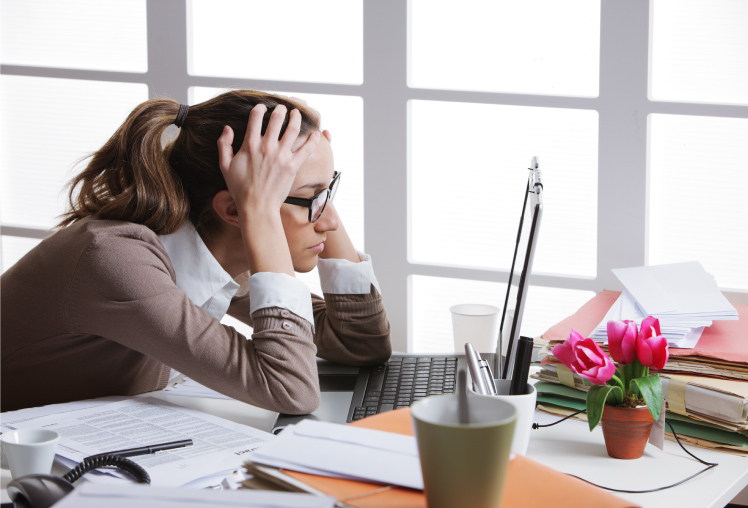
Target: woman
160, 243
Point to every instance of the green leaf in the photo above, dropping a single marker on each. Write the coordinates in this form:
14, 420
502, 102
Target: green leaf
650, 388
596, 397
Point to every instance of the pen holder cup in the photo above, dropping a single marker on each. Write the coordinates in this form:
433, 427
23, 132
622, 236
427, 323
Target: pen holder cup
525, 405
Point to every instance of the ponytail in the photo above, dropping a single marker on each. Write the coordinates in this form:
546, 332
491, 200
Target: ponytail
133, 178
130, 178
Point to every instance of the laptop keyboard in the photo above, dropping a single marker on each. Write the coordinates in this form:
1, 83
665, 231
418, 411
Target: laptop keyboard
404, 380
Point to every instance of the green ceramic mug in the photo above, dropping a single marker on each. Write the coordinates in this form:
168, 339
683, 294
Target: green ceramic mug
463, 464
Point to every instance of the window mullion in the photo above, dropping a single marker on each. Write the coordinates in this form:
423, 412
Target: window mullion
385, 94
622, 156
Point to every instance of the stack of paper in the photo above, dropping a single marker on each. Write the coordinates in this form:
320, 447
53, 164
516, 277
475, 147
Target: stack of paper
342, 451
92, 427
683, 296
95, 496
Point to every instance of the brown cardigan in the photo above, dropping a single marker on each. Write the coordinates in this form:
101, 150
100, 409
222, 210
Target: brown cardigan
94, 310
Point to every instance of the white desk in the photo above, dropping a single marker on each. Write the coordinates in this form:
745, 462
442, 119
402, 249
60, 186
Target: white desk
571, 448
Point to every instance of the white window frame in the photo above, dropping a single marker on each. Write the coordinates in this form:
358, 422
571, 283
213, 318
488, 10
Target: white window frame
623, 106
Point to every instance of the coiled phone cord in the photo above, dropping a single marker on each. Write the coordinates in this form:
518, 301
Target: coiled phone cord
97, 461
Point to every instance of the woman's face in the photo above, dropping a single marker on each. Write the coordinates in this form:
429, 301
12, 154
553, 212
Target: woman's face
306, 240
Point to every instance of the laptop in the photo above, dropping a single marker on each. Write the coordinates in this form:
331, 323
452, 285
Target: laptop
352, 393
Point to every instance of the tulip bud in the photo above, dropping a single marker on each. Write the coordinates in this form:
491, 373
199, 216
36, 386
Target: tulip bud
651, 347
622, 341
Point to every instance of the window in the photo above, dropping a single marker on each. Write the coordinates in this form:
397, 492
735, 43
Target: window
636, 111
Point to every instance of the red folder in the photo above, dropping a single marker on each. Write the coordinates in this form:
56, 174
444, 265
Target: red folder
722, 341
529, 484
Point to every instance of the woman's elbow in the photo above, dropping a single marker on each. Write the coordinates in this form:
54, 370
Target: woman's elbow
302, 405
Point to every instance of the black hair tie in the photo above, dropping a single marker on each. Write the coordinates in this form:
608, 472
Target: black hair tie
181, 115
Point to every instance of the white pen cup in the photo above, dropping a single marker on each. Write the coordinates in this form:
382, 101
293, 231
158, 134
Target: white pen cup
30, 451
475, 323
525, 406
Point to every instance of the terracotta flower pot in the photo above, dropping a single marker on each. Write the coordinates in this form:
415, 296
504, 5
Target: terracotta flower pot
626, 431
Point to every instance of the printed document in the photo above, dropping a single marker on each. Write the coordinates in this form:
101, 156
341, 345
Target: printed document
219, 445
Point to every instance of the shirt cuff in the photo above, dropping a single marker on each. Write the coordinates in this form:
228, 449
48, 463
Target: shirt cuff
342, 277
272, 289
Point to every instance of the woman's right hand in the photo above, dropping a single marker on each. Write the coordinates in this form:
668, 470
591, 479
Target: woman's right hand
260, 175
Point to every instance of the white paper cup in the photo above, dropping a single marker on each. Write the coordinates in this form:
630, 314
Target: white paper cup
475, 323
30, 451
525, 406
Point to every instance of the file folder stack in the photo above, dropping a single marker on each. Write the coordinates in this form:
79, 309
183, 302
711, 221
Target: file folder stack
706, 386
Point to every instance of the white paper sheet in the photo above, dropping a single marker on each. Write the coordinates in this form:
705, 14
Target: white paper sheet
219, 445
96, 496
343, 451
680, 289
187, 387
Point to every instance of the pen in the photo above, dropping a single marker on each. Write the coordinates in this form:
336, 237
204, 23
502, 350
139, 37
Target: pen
475, 371
518, 384
487, 375
144, 450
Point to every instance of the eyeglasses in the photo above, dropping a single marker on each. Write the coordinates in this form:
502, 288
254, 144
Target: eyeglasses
317, 203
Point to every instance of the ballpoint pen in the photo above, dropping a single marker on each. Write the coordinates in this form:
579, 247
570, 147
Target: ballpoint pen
144, 450
479, 383
487, 375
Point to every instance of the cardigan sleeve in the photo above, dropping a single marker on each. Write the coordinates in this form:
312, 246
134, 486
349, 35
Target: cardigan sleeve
124, 290
351, 329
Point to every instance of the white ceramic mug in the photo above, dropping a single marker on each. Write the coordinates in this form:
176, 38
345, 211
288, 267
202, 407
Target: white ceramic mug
475, 323
525, 405
30, 451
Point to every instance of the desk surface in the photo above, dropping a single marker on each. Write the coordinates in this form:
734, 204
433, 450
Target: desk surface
571, 448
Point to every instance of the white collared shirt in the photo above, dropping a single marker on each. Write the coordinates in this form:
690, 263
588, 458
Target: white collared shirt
211, 288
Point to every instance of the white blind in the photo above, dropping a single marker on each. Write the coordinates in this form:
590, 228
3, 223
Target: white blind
80, 34
292, 40
697, 206
700, 51
47, 125
467, 187
531, 47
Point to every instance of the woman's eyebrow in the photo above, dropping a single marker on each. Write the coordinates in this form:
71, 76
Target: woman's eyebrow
311, 186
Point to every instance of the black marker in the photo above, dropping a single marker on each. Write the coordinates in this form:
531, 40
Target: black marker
518, 385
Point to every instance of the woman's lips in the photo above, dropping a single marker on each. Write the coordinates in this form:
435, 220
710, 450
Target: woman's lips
318, 248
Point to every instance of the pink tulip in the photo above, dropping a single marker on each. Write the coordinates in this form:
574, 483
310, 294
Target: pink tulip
584, 357
651, 347
622, 341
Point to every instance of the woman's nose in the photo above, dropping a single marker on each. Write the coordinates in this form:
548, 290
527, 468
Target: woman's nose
329, 220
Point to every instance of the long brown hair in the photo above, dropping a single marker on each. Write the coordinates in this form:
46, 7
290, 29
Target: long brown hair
134, 178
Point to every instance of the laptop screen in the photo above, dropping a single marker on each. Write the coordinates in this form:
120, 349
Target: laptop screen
518, 284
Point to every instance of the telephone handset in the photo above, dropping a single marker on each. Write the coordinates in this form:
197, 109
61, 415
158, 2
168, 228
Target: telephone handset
44, 490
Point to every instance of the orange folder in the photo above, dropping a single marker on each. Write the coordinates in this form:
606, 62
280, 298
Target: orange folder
721, 341
528, 484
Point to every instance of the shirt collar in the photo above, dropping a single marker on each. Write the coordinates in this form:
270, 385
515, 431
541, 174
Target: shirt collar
198, 273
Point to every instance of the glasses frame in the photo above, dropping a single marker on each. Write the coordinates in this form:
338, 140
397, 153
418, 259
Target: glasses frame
307, 203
